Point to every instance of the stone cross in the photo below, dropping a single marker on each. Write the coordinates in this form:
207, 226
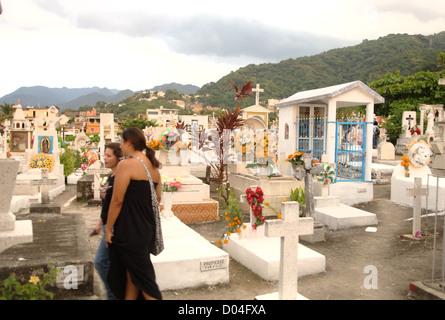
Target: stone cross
306, 173
96, 185
257, 98
289, 228
417, 192
43, 183
243, 199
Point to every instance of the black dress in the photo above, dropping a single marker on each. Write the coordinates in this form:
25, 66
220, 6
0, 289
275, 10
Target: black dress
107, 200
132, 240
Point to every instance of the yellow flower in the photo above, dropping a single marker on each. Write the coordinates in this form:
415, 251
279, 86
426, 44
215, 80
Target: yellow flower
284, 200
238, 230
34, 279
226, 241
266, 203
279, 216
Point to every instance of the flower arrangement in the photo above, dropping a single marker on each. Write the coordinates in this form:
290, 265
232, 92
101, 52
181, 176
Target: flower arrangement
103, 181
278, 213
42, 160
405, 163
255, 200
295, 158
155, 144
233, 216
170, 184
415, 130
89, 157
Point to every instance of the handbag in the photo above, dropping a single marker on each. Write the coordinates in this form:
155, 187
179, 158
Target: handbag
158, 245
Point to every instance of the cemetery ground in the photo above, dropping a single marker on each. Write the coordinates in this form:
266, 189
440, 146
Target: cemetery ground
398, 261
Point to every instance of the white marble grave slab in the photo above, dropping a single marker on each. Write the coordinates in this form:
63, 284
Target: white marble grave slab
188, 260
261, 255
343, 216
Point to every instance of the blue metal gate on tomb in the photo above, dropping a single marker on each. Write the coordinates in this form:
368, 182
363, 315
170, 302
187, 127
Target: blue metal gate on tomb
311, 136
350, 144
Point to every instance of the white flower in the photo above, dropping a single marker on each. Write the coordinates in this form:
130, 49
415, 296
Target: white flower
103, 180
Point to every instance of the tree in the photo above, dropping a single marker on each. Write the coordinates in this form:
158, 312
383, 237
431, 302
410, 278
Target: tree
419, 88
140, 123
441, 60
228, 119
407, 94
7, 112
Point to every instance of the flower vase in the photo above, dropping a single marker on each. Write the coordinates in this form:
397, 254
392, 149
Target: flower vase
167, 203
406, 174
298, 171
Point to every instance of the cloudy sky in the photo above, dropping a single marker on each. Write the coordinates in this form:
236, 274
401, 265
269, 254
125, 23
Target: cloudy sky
138, 44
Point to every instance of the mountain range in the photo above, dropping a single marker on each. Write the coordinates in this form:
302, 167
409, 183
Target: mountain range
367, 61
73, 98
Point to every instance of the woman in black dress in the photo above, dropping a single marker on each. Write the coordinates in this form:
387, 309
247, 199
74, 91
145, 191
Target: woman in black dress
131, 227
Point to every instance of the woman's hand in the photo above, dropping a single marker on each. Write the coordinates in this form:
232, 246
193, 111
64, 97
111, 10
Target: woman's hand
108, 236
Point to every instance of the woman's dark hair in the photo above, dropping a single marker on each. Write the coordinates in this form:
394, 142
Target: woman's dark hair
115, 146
137, 139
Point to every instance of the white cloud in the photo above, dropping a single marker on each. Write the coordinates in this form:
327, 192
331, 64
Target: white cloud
138, 44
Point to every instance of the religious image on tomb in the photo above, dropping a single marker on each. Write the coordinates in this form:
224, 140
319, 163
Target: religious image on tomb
45, 145
244, 140
18, 141
419, 153
42, 160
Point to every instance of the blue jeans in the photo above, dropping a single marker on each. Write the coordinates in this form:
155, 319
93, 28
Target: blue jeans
102, 264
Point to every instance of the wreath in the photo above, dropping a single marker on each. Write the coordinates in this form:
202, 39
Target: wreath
42, 160
427, 112
255, 200
169, 138
327, 175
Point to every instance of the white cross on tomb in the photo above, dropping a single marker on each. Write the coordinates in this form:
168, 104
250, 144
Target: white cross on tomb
257, 90
289, 228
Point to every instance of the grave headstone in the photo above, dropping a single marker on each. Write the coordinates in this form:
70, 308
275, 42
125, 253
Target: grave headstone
96, 170
11, 232
45, 205
408, 123
385, 151
438, 147
289, 228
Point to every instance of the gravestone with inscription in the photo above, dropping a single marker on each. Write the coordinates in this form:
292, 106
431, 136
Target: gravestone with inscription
45, 205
